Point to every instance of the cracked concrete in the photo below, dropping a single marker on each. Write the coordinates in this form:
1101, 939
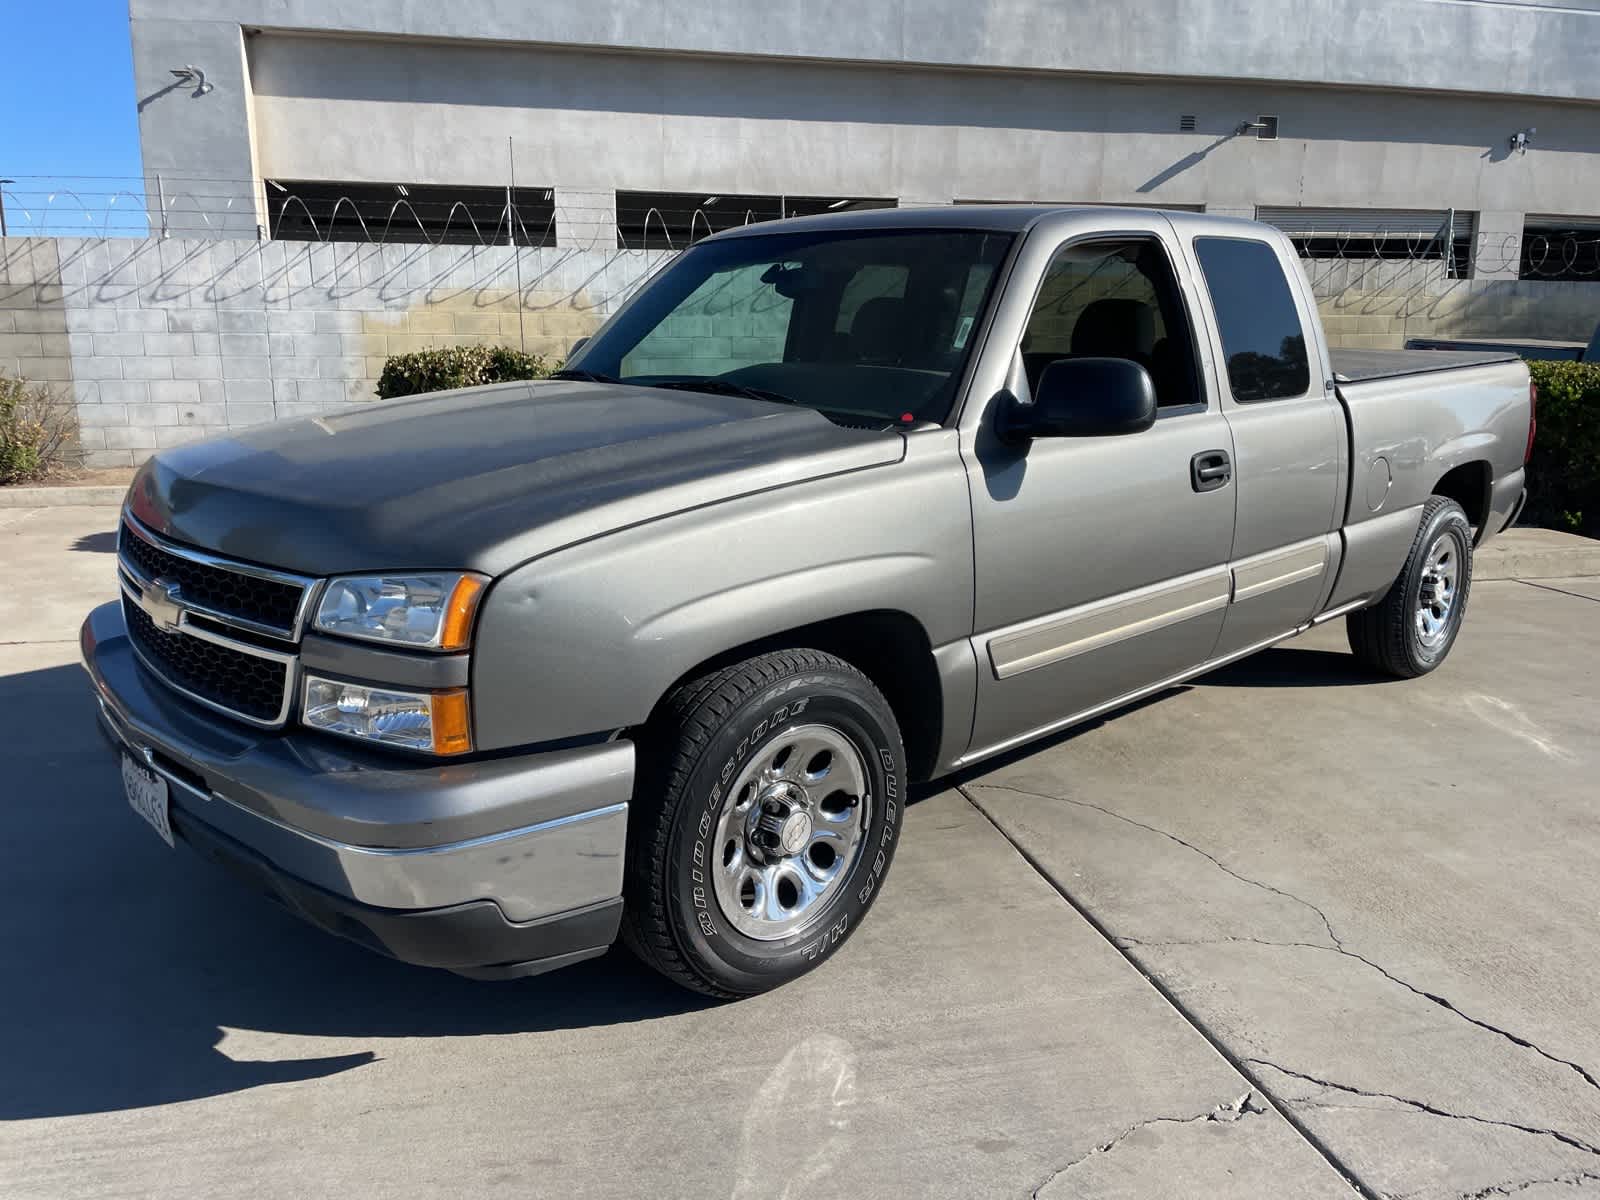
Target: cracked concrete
1333, 943
1376, 896
1537, 1187
1565, 1139
1246, 1105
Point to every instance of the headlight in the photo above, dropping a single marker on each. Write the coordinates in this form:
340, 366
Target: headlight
430, 611
435, 722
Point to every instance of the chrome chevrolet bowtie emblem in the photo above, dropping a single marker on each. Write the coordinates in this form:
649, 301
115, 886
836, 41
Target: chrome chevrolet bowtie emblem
161, 604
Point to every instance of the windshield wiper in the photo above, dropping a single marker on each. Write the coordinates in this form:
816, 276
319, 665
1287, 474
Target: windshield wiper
583, 376
726, 387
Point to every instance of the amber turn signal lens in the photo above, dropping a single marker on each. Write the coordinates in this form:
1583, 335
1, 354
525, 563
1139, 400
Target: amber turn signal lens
452, 723
463, 606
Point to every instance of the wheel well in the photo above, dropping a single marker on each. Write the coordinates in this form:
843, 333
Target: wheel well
890, 648
1468, 486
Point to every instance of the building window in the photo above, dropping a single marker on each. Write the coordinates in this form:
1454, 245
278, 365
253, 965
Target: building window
1560, 248
673, 220
323, 211
1428, 235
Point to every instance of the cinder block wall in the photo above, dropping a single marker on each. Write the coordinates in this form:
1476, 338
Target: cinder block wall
729, 322
160, 342
1378, 305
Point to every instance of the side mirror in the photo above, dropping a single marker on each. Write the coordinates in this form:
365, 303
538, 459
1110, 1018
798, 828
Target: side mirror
1084, 397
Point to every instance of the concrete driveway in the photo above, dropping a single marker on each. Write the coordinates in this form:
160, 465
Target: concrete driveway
1286, 932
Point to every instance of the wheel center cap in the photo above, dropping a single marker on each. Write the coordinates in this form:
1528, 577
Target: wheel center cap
796, 832
783, 826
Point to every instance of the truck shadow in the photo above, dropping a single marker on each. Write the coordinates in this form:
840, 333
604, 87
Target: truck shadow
1279, 667
1293, 666
127, 965
104, 542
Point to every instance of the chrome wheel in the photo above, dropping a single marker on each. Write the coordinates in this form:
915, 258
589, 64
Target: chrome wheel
1436, 597
790, 830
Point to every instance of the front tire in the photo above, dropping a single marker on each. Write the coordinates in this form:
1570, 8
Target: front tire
1411, 630
766, 818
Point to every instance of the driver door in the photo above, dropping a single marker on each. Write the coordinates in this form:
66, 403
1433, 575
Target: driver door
1101, 562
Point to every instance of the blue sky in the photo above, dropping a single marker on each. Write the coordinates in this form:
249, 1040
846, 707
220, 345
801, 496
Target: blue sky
67, 106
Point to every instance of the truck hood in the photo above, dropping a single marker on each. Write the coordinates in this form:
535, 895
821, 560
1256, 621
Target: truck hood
483, 478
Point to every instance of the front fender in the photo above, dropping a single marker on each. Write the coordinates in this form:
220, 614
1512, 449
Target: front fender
588, 639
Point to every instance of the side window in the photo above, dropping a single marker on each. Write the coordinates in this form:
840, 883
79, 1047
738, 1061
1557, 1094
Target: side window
1261, 334
1114, 299
732, 320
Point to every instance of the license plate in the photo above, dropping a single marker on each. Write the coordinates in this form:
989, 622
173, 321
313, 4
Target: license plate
147, 796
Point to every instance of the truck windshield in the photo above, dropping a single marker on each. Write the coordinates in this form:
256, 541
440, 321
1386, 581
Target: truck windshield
862, 325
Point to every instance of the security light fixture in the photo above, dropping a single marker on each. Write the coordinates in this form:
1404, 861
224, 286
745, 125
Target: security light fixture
1265, 128
276, 184
1522, 139
709, 201
402, 189
190, 75
839, 203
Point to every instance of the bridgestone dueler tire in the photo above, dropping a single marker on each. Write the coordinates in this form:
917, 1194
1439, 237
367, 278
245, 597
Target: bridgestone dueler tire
707, 731
1385, 637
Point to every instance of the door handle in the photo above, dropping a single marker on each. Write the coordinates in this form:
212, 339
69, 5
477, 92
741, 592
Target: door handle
1210, 470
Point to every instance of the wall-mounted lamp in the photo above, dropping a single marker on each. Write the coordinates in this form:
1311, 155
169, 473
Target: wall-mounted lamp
1265, 128
192, 76
1522, 139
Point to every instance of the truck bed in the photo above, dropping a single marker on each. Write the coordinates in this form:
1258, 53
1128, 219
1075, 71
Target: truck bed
1364, 366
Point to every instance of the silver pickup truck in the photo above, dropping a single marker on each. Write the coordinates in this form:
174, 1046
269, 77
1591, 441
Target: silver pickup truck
482, 679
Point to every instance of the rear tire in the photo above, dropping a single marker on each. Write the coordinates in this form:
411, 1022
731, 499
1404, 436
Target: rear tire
765, 819
1411, 630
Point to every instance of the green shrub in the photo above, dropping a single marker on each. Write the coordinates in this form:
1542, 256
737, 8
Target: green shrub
36, 431
457, 367
1564, 474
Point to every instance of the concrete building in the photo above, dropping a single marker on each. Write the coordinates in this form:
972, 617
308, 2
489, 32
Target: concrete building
1464, 128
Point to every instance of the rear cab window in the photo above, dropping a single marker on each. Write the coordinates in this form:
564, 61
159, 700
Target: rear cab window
1262, 339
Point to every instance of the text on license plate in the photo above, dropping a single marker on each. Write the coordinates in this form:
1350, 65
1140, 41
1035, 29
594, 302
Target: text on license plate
147, 796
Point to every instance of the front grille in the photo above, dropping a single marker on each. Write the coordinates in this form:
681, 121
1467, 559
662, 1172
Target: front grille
243, 683
231, 593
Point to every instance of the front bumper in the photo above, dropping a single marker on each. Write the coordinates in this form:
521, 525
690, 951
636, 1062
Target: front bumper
497, 867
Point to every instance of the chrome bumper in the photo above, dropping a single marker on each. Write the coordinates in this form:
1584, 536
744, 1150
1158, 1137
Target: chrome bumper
539, 835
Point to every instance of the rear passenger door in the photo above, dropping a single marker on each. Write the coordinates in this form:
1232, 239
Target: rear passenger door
1288, 435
